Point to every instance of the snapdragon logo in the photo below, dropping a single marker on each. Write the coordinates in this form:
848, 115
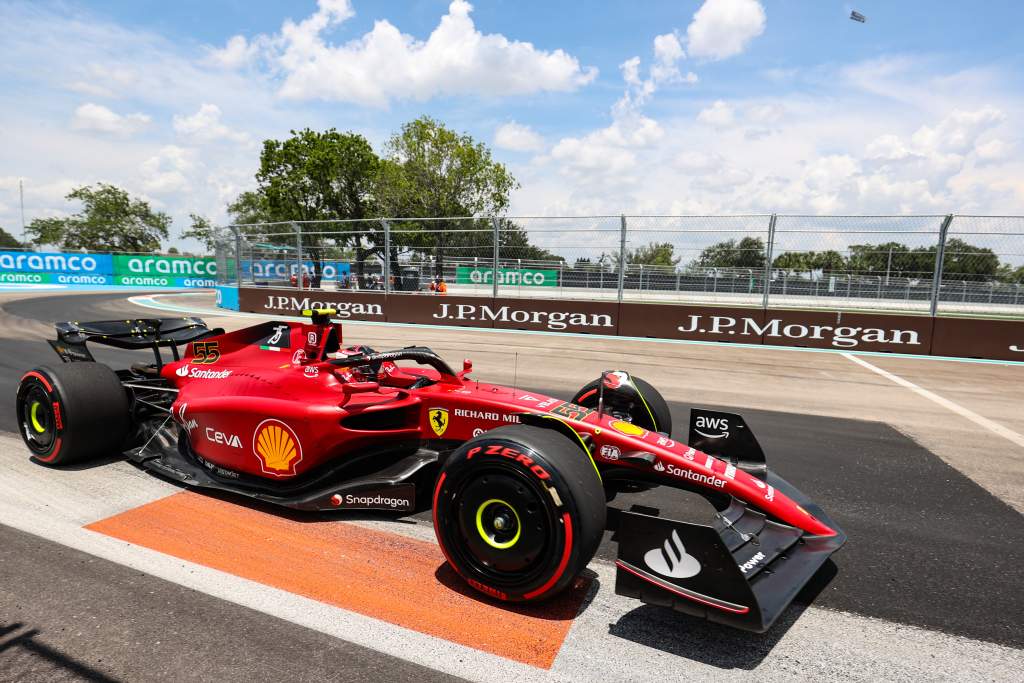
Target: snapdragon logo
672, 560
377, 501
553, 320
842, 337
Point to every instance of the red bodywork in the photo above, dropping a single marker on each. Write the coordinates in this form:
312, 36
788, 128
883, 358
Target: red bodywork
274, 407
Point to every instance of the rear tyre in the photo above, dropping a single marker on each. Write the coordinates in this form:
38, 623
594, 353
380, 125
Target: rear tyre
645, 408
72, 412
519, 512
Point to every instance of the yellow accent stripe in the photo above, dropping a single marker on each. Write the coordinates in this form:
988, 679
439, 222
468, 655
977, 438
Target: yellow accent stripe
646, 407
582, 443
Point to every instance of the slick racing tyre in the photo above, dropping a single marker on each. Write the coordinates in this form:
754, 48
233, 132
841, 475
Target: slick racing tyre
644, 407
71, 413
519, 512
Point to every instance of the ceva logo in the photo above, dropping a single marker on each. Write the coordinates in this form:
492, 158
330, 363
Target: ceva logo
672, 560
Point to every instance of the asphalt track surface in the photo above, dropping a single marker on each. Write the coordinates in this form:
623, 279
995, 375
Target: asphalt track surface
928, 547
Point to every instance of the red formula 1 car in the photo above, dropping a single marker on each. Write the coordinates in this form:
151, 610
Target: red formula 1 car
518, 481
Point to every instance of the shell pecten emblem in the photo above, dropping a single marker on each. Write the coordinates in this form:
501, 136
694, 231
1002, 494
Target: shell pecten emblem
277, 448
438, 418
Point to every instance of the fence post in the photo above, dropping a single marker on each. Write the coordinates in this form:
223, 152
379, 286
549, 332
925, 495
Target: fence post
238, 255
387, 255
622, 257
769, 248
298, 254
494, 265
940, 255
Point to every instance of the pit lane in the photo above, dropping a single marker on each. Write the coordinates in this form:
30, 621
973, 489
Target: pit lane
931, 545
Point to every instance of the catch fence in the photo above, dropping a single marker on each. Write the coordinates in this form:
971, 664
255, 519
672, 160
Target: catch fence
911, 264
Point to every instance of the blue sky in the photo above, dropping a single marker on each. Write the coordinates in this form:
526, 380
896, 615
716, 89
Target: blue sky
704, 106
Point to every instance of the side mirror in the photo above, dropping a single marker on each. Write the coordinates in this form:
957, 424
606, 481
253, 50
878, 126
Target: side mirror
467, 366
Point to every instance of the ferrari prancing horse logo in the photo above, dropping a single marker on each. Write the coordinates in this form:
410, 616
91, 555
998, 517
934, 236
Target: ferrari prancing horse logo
438, 420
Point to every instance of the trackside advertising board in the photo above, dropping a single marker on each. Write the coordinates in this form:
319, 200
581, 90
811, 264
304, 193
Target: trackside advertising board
527, 277
129, 270
282, 269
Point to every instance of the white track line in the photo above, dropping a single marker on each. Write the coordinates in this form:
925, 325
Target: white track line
988, 424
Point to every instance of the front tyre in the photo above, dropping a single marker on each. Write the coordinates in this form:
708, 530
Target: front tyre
519, 512
72, 412
641, 403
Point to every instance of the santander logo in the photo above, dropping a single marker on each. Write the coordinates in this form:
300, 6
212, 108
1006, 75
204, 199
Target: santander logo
672, 560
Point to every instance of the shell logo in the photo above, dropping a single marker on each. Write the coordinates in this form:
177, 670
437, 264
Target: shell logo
628, 428
277, 448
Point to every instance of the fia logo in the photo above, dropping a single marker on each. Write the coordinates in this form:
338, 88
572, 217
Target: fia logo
712, 424
672, 560
610, 452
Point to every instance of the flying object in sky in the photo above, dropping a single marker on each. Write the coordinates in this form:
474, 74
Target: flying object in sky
857, 16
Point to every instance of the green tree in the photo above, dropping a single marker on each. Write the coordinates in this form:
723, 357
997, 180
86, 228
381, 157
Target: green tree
110, 220
793, 262
249, 208
966, 261
202, 230
430, 171
7, 240
314, 176
654, 254
747, 253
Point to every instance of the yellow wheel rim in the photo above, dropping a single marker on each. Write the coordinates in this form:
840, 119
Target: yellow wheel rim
489, 539
36, 425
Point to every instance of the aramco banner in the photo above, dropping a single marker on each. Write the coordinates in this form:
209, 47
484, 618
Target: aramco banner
527, 277
129, 270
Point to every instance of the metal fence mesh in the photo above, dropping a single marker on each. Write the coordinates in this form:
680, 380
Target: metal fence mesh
838, 262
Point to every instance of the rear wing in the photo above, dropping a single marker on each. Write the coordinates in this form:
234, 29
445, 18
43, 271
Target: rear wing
140, 333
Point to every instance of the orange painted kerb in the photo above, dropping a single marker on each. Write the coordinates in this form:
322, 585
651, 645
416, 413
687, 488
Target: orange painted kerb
382, 575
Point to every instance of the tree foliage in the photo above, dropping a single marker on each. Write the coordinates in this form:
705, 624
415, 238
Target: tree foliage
654, 254
749, 252
202, 230
110, 220
8, 241
430, 171
317, 176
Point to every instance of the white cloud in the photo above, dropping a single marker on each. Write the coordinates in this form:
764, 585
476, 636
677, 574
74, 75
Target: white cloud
724, 28
236, 53
205, 126
720, 114
168, 171
518, 138
386, 65
992, 150
96, 117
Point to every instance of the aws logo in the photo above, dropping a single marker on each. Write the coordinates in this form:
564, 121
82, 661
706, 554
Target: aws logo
277, 448
712, 424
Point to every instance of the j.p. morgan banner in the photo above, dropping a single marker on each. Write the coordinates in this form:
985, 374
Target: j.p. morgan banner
919, 335
130, 270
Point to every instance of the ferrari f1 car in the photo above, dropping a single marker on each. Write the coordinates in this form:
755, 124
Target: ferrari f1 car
518, 482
